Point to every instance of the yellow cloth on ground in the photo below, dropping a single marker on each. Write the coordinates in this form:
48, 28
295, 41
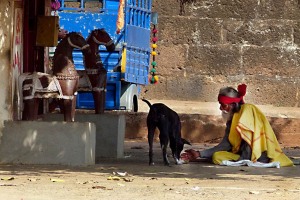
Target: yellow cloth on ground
251, 125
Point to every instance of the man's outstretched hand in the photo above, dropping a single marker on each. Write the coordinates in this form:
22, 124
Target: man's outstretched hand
190, 155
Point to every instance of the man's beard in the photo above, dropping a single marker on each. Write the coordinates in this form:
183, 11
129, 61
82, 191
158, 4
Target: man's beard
226, 115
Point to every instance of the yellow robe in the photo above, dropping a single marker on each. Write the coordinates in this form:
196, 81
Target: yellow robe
251, 125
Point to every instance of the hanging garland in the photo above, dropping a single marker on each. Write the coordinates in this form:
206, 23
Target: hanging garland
55, 5
153, 71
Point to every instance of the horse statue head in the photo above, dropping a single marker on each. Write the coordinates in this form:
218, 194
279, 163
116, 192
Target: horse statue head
63, 56
97, 37
101, 37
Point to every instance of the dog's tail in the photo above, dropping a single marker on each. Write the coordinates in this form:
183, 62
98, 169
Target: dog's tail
149, 104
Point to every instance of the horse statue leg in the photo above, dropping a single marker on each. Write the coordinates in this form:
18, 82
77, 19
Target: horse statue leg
68, 102
103, 79
30, 111
68, 80
98, 78
99, 93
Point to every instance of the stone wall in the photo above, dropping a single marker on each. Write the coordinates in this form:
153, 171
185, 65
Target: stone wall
199, 128
207, 44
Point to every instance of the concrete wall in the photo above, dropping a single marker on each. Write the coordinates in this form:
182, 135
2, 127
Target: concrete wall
51, 141
110, 132
5, 61
39, 142
206, 44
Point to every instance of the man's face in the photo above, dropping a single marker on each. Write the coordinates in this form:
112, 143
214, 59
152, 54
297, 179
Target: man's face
226, 111
225, 107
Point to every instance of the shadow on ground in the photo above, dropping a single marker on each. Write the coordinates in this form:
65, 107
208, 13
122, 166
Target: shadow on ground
135, 162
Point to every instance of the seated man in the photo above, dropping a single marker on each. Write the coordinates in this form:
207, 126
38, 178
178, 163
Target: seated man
248, 134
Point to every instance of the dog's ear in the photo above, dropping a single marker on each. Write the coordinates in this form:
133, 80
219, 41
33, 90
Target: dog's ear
184, 141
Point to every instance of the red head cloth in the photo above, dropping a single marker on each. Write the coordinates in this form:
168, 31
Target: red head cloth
228, 100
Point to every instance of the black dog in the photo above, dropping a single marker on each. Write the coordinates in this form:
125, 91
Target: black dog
169, 125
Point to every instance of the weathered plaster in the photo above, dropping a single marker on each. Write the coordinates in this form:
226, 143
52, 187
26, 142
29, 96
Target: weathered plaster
5, 60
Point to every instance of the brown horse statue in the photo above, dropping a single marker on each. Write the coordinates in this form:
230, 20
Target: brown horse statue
65, 72
95, 71
61, 85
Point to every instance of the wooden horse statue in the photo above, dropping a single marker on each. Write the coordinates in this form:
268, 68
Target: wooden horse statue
61, 85
65, 72
95, 71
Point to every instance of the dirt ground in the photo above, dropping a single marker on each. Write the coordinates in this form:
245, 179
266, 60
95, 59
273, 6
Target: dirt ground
132, 178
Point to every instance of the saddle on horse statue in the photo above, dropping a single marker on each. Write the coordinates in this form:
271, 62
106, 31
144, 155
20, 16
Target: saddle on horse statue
62, 84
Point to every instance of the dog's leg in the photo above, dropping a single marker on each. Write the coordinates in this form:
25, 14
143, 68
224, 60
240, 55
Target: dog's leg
178, 161
174, 148
165, 156
151, 130
164, 141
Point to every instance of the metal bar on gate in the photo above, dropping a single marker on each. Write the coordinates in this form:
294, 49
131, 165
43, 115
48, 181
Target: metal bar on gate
138, 17
142, 5
62, 4
134, 17
81, 4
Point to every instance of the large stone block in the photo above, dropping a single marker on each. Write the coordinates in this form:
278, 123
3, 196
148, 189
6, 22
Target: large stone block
175, 58
36, 142
271, 62
155, 90
271, 9
221, 9
184, 88
214, 60
110, 132
167, 7
296, 33
286, 130
189, 31
292, 10
177, 30
267, 33
275, 89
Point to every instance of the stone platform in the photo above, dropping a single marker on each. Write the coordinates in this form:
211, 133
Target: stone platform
38, 142
53, 141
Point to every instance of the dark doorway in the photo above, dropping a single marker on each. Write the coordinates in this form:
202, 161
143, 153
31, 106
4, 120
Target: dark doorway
33, 55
